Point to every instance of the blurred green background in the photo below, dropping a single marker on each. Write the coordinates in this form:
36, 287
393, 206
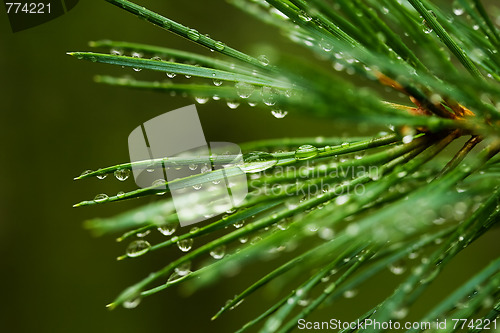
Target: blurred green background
57, 122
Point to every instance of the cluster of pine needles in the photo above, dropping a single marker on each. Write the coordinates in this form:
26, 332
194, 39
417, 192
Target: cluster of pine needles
332, 212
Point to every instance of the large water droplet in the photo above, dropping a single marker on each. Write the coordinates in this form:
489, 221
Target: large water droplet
101, 197
257, 162
138, 248
218, 252
185, 245
244, 89
306, 152
122, 174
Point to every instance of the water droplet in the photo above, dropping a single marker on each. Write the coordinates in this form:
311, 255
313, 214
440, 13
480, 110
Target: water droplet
427, 28
244, 89
219, 45
185, 245
136, 55
279, 113
268, 96
120, 194
115, 52
385, 10
138, 248
397, 267
232, 104
183, 269
193, 167
306, 152
239, 224
475, 27
304, 17
338, 66
218, 252
325, 45
102, 175
86, 172
197, 186
263, 60
201, 100
350, 293
175, 277
122, 174
168, 229
159, 184
400, 313
101, 197
407, 138
326, 233
143, 234
303, 302
193, 34
171, 75
166, 24
217, 82
257, 162
205, 168
132, 302
457, 8
402, 174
